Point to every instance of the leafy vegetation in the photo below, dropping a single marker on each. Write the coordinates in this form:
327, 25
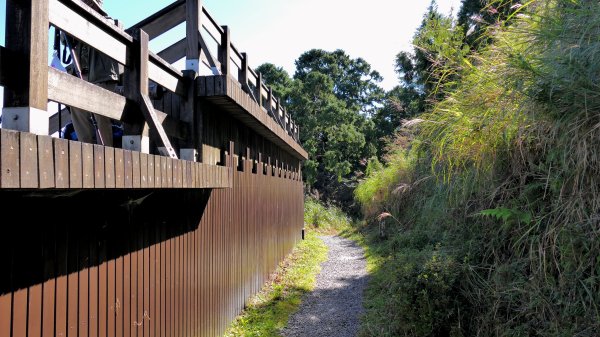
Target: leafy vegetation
268, 311
492, 193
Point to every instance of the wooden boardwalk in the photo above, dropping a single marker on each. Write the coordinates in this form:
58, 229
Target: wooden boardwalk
168, 235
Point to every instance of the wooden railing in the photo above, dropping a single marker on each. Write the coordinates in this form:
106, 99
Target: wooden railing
228, 56
30, 83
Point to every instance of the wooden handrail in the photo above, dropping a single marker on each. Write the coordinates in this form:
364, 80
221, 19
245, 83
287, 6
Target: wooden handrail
82, 22
163, 20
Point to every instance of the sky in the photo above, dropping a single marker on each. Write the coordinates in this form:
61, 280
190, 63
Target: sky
279, 31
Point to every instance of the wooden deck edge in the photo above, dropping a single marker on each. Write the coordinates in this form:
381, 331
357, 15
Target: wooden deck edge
225, 86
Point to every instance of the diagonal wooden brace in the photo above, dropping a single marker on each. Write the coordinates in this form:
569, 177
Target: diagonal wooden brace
137, 90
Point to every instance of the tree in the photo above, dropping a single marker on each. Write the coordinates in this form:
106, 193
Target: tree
279, 80
354, 82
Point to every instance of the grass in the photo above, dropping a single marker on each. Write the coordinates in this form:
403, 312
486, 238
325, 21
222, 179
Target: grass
268, 311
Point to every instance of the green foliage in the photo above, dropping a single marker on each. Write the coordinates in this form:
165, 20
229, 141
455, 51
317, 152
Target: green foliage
512, 138
325, 219
268, 311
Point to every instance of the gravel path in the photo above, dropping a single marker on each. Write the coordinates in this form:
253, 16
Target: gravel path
334, 307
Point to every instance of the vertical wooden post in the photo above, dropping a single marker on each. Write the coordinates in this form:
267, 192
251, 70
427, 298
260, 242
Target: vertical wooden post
259, 90
136, 136
243, 75
225, 50
191, 114
193, 24
270, 102
26, 102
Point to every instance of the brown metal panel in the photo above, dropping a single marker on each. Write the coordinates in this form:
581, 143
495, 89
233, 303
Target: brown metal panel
29, 160
127, 295
163, 281
99, 165
119, 168
19, 313
135, 169
128, 168
61, 281
143, 170
111, 302
140, 317
93, 284
109, 167
72, 282
102, 287
168, 289
119, 299
5, 318
153, 314
87, 165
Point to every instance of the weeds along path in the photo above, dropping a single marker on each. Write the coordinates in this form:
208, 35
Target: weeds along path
334, 307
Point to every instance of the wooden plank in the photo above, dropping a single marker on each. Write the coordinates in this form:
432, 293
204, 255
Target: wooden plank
87, 158
73, 91
99, 166
171, 82
143, 170
27, 34
163, 20
61, 163
46, 161
109, 167
219, 85
174, 52
210, 86
128, 161
75, 165
66, 19
119, 168
158, 181
150, 175
170, 173
136, 169
29, 160
9, 159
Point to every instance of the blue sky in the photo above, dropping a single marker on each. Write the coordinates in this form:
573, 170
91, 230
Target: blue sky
279, 31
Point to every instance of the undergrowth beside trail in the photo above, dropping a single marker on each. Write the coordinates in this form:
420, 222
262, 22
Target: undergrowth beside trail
484, 219
268, 311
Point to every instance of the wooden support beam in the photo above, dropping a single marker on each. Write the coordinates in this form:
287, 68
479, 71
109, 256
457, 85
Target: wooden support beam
75, 92
144, 98
25, 102
72, 91
208, 55
174, 52
225, 50
163, 20
193, 24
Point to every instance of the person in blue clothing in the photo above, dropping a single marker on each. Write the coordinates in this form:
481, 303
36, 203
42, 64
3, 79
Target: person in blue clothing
95, 67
